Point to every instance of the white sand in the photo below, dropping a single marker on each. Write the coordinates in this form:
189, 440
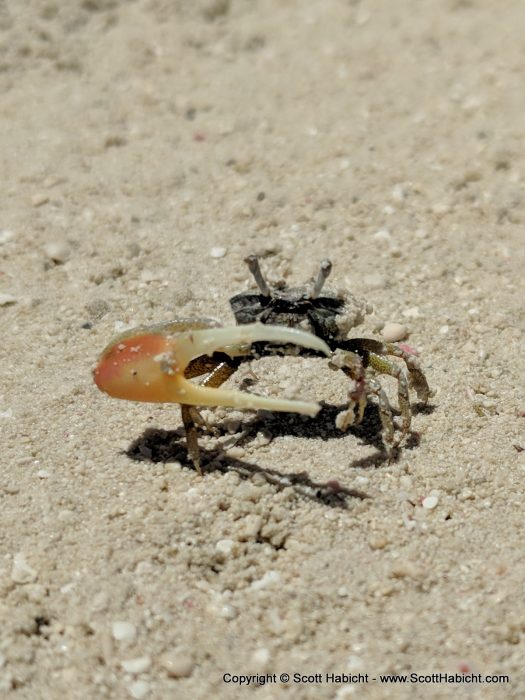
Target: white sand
137, 139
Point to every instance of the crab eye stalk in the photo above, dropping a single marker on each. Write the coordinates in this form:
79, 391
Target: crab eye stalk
324, 272
253, 265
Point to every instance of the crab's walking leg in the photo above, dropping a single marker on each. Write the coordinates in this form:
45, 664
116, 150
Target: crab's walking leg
417, 379
365, 386
218, 371
352, 365
385, 412
383, 366
192, 441
355, 366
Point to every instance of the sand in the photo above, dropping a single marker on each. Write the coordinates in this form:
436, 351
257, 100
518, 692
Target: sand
147, 148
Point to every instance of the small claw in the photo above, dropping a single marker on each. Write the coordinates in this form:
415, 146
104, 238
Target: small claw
149, 366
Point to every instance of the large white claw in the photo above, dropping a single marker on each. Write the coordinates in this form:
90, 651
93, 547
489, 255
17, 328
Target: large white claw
149, 363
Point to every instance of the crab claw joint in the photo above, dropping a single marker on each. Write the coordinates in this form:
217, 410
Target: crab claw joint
148, 365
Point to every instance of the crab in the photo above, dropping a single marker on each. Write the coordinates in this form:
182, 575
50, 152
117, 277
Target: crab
331, 316
155, 363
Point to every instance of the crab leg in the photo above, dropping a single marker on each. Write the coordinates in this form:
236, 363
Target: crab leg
383, 366
385, 412
416, 377
352, 365
192, 440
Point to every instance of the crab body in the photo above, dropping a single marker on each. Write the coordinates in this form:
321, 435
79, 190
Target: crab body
332, 316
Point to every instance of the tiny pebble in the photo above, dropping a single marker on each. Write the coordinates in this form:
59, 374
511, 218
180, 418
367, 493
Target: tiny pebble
430, 502
269, 578
228, 612
122, 327
218, 252
354, 663
232, 426
177, 664
138, 665
377, 542
345, 692
342, 591
66, 515
224, 546
383, 235
21, 571
5, 236
412, 312
43, 474
6, 299
440, 209
398, 193
261, 656
56, 251
249, 527
264, 437
406, 569
100, 602
393, 332
236, 452
149, 276
139, 689
39, 198
124, 631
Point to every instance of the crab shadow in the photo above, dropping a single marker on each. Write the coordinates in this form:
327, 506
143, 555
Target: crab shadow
323, 427
157, 445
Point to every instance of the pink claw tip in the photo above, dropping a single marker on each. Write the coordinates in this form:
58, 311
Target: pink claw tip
409, 349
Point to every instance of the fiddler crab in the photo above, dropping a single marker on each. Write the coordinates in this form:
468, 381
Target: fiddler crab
155, 363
